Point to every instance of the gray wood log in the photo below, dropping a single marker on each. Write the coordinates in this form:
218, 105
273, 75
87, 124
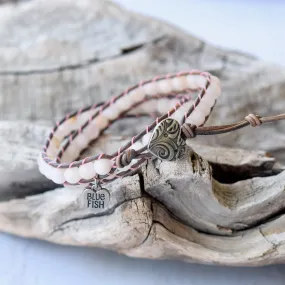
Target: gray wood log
171, 210
217, 206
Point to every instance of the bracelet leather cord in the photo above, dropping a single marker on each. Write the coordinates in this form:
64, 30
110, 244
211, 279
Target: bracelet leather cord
180, 117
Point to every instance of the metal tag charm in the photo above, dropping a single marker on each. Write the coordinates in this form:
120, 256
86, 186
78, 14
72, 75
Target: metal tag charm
166, 142
96, 198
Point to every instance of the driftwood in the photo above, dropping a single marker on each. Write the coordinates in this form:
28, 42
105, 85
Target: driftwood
218, 205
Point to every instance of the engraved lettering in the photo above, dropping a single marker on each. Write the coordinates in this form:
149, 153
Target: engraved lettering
96, 199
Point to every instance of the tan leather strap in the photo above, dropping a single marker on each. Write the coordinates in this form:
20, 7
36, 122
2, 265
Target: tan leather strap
190, 131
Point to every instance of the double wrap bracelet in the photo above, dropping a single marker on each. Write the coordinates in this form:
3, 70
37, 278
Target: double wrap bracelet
179, 116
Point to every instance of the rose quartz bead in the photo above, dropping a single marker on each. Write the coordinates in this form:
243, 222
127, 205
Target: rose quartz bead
87, 171
177, 115
136, 95
47, 170
200, 81
214, 89
91, 131
58, 176
195, 81
146, 138
164, 86
62, 131
51, 153
191, 82
137, 145
71, 153
111, 113
83, 117
103, 166
164, 105
101, 122
52, 149
72, 175
123, 104
208, 98
197, 118
148, 107
81, 141
204, 107
178, 83
151, 88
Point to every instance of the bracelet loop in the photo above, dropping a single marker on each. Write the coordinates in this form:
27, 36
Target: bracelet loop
169, 96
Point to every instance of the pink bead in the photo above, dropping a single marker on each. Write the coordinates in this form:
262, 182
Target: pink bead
196, 118
71, 153
87, 171
58, 176
61, 131
47, 170
146, 138
136, 95
103, 166
205, 106
151, 88
101, 122
178, 83
111, 112
81, 141
164, 105
193, 82
123, 104
137, 145
52, 150
214, 89
164, 86
72, 175
91, 131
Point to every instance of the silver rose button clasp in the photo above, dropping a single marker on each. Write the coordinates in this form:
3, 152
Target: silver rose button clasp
166, 142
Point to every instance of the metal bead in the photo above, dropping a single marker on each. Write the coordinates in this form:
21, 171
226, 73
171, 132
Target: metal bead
125, 158
188, 130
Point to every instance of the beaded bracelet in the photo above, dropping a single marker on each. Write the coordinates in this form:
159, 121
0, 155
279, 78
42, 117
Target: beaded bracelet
164, 138
73, 134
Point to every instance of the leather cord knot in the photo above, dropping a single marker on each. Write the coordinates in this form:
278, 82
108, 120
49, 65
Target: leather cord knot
125, 158
254, 120
188, 130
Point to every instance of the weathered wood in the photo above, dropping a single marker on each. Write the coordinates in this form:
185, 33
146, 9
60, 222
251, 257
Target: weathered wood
218, 205
75, 61
205, 221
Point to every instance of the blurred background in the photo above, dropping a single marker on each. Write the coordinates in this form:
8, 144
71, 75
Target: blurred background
251, 26
254, 27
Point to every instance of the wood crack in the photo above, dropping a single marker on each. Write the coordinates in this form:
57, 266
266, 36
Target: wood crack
84, 64
109, 212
